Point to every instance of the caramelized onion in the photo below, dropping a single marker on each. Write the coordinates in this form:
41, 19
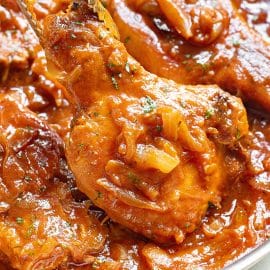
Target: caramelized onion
129, 197
149, 157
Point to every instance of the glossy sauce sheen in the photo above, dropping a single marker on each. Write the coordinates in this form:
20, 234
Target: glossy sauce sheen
46, 223
228, 60
257, 13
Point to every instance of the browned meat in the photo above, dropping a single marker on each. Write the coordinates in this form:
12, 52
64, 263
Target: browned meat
219, 47
148, 151
17, 40
41, 226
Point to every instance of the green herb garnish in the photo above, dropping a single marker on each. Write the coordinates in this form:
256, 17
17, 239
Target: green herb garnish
126, 40
208, 114
81, 145
99, 195
187, 225
188, 55
19, 220
148, 105
115, 83
205, 67
238, 134
111, 65
30, 230
134, 178
29, 128
28, 178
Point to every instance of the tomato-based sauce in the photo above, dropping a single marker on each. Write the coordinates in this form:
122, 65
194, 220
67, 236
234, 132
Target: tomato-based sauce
257, 14
47, 223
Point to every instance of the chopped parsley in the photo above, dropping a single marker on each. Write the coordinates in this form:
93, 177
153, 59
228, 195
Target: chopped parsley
42, 188
111, 65
68, 224
188, 56
208, 114
19, 220
114, 83
99, 195
238, 134
187, 225
133, 178
126, 40
81, 145
205, 67
29, 128
148, 105
30, 230
13, 31
28, 178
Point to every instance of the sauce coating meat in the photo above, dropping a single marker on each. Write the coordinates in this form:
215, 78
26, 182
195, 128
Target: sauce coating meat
228, 53
17, 39
257, 14
46, 223
41, 225
143, 177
